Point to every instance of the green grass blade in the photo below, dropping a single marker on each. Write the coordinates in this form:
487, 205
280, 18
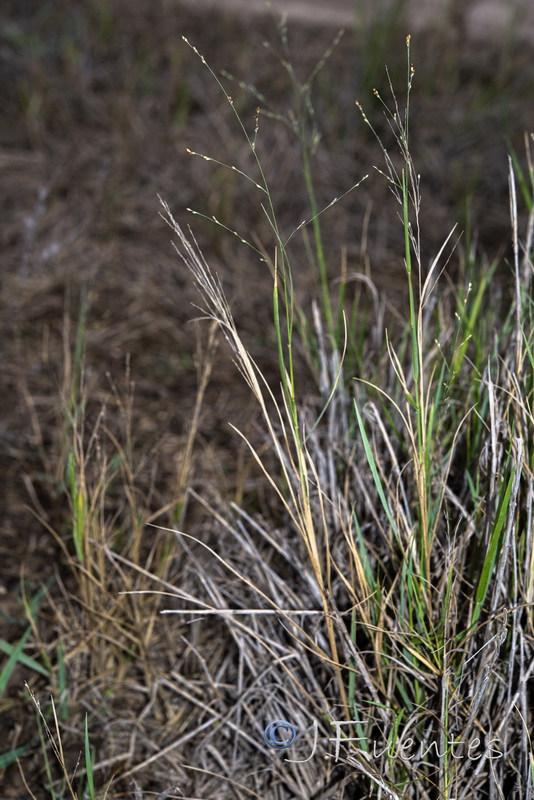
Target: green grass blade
8, 649
374, 471
14, 658
62, 684
9, 758
369, 575
89, 763
493, 549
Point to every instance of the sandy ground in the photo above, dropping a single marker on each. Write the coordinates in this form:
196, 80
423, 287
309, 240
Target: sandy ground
479, 20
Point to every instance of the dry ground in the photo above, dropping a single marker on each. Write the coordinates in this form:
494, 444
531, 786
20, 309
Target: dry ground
99, 102
478, 20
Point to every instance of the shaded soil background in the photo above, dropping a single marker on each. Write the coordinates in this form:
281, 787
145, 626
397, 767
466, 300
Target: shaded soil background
478, 20
99, 103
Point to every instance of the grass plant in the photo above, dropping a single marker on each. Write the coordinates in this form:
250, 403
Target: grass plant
417, 584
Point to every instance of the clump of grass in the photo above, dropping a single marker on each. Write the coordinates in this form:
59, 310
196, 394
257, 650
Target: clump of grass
406, 534
100, 637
